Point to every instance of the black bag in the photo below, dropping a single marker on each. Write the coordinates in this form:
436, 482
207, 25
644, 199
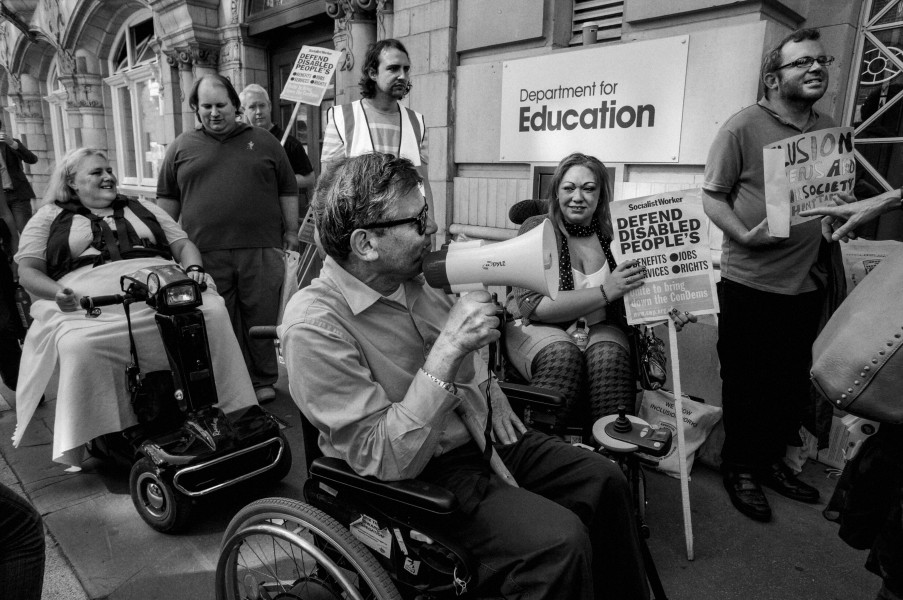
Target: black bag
153, 398
649, 357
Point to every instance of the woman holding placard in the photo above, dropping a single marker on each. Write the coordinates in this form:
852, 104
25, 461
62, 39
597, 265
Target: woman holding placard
577, 344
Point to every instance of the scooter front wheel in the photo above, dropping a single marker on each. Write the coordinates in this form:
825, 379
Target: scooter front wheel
160, 505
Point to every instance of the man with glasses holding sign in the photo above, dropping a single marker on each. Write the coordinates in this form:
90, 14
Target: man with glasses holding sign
771, 289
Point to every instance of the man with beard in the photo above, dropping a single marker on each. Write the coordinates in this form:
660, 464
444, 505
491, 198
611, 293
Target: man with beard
771, 289
233, 186
257, 111
385, 366
379, 122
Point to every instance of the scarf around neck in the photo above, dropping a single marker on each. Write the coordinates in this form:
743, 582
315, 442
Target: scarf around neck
566, 278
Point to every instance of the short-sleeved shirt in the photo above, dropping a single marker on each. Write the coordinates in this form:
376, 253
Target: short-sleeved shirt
294, 149
229, 188
384, 131
33, 241
735, 167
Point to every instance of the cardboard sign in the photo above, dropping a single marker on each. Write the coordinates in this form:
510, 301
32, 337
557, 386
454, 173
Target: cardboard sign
311, 75
668, 234
620, 103
817, 166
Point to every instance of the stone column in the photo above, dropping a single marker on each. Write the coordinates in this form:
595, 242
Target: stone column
80, 76
193, 62
355, 32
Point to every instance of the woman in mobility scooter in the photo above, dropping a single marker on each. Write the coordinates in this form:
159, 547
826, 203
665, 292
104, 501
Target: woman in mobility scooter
79, 244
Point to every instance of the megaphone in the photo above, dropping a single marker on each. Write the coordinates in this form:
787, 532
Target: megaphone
529, 261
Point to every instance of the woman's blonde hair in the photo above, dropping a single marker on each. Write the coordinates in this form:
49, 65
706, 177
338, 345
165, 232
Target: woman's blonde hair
58, 188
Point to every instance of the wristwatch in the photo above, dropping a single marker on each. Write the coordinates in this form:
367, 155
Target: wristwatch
447, 386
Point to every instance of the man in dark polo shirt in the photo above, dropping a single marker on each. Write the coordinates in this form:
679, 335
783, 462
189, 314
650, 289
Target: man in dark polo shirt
234, 189
772, 289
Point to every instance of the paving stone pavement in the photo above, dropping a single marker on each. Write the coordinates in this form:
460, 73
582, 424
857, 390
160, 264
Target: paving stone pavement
96, 538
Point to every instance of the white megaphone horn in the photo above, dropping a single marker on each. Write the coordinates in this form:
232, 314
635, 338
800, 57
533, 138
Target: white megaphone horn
529, 261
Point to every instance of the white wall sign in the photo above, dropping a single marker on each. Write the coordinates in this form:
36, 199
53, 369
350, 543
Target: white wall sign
620, 103
311, 75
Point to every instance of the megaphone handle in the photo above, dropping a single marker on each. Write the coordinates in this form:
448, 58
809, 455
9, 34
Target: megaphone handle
496, 348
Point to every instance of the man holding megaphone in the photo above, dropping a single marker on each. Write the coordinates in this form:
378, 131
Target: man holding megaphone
388, 370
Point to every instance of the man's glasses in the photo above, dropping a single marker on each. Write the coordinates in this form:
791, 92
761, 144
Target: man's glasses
806, 62
421, 219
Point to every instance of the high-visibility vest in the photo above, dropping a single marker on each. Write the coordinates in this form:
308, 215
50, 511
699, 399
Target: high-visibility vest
354, 129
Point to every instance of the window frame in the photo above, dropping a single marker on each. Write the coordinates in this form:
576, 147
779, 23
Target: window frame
131, 78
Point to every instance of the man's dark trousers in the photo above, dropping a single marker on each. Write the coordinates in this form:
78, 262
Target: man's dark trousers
765, 348
567, 530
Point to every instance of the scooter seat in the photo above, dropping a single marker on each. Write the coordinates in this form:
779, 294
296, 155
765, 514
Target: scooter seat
416, 494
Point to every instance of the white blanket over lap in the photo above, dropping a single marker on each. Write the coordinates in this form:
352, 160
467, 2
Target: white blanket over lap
92, 355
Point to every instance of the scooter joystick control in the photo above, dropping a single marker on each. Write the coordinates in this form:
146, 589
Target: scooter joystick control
622, 423
654, 442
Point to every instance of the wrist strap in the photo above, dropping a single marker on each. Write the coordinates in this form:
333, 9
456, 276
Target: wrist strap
604, 295
193, 268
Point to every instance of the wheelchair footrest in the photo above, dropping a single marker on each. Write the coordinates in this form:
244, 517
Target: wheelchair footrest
416, 494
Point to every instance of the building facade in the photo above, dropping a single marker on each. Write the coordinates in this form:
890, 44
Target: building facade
116, 75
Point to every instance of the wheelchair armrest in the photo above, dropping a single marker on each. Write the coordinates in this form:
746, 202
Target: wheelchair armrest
417, 494
528, 394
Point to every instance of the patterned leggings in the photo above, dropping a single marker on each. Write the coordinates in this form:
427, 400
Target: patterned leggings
592, 383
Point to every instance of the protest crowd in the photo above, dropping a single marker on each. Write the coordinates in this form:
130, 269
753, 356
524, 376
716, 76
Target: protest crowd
392, 373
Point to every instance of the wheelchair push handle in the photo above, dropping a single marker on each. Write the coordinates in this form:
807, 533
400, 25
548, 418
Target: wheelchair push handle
91, 302
263, 332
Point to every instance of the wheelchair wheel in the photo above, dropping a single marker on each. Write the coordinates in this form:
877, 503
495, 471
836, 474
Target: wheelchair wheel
282, 548
156, 500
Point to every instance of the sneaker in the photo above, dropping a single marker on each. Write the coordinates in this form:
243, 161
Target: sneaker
265, 394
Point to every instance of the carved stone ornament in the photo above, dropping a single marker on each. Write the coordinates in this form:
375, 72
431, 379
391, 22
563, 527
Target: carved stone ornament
344, 10
344, 42
195, 54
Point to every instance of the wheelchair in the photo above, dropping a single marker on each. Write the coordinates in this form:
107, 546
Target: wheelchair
183, 446
355, 536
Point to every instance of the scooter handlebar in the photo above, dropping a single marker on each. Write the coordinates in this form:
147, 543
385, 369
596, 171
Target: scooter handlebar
89, 302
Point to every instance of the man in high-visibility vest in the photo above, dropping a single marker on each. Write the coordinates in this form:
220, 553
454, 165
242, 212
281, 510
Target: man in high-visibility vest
378, 122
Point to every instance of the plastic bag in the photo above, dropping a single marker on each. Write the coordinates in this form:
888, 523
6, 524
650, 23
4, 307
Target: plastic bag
657, 409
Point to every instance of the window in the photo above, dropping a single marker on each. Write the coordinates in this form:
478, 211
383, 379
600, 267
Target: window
875, 107
140, 140
606, 14
59, 118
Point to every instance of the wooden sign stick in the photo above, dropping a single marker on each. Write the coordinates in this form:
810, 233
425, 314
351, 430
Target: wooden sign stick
681, 443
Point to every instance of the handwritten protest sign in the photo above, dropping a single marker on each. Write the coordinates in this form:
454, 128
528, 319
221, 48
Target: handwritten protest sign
311, 75
668, 234
817, 165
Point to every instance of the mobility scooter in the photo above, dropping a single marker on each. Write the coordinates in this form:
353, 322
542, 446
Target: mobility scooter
183, 446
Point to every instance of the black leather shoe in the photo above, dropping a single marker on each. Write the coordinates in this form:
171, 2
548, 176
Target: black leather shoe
746, 495
781, 479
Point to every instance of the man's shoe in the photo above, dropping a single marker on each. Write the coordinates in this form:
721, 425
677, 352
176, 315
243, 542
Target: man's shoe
781, 479
746, 495
265, 394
